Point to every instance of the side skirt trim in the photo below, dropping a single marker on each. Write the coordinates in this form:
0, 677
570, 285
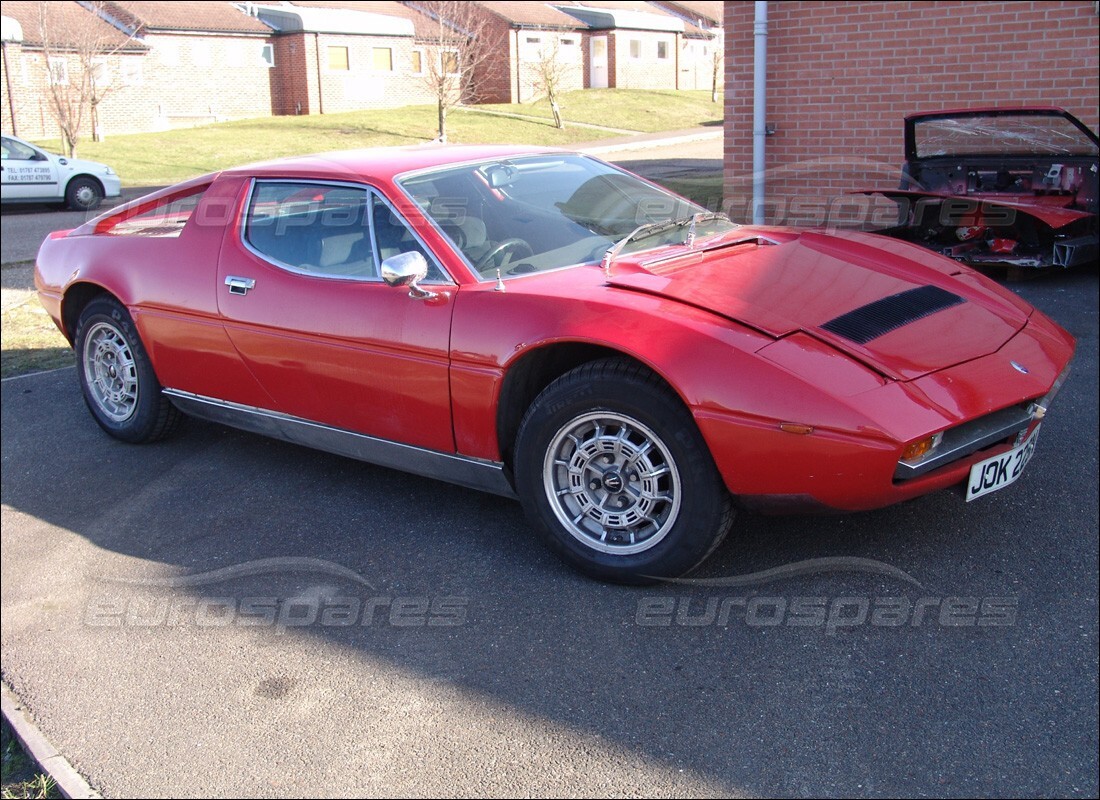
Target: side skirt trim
486, 476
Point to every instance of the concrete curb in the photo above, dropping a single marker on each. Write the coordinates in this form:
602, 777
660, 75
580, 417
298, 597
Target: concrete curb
645, 144
69, 781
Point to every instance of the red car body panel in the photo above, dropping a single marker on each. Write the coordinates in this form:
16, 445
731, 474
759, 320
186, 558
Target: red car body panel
1000, 187
735, 330
1051, 211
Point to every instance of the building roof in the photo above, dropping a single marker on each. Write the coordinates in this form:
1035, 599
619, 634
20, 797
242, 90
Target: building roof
68, 26
316, 18
423, 25
709, 13
142, 16
607, 14
532, 15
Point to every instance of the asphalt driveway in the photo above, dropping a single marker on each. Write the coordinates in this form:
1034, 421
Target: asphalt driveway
226, 615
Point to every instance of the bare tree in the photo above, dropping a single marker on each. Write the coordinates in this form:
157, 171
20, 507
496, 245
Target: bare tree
551, 76
715, 69
458, 49
76, 46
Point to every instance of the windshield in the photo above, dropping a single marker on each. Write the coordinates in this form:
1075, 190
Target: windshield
538, 213
1003, 134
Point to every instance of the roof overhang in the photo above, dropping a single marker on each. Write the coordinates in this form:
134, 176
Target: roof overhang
299, 19
609, 18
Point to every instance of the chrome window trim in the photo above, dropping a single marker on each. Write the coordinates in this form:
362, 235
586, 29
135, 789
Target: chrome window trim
242, 233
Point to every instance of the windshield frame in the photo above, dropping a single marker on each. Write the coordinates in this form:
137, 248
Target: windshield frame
399, 181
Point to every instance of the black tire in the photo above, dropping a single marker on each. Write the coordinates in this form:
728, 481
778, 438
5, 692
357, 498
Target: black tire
83, 193
581, 454
117, 378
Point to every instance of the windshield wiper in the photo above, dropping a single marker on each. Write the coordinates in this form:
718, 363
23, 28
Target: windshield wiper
652, 228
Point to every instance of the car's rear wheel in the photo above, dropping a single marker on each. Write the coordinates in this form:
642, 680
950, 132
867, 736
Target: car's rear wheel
117, 378
83, 194
616, 477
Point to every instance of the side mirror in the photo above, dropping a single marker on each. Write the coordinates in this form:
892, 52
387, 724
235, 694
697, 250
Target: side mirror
407, 269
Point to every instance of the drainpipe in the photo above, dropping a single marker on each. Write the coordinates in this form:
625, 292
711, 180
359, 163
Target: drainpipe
320, 77
759, 108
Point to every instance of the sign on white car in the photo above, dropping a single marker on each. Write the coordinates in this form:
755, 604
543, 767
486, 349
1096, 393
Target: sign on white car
32, 175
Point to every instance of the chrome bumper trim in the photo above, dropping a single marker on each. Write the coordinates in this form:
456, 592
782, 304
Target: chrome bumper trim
970, 437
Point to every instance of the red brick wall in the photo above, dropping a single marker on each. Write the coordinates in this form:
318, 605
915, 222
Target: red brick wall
841, 77
496, 77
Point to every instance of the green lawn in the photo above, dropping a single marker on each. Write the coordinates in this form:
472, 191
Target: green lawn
630, 109
153, 159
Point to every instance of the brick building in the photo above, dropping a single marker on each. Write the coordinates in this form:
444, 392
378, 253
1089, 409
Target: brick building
332, 57
524, 34
164, 65
51, 44
173, 63
701, 45
843, 75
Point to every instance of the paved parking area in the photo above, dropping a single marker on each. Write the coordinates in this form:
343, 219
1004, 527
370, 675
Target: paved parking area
226, 615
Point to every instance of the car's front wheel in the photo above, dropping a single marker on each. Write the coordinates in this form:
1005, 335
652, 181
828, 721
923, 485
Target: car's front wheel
616, 477
83, 194
117, 378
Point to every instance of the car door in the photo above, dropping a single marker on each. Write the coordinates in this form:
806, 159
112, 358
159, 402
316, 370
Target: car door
300, 294
29, 174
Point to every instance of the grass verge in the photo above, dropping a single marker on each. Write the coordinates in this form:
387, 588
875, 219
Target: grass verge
156, 159
29, 341
21, 778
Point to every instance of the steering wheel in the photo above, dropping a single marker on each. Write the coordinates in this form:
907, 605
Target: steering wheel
521, 247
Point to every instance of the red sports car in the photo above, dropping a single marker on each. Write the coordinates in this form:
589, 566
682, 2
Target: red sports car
544, 325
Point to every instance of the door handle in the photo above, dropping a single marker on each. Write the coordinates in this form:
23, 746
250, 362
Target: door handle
239, 285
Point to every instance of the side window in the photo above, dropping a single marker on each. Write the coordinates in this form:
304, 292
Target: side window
393, 236
163, 219
313, 228
17, 151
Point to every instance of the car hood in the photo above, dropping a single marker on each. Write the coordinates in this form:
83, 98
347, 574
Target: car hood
891, 305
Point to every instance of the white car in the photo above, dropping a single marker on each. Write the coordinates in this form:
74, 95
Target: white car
31, 175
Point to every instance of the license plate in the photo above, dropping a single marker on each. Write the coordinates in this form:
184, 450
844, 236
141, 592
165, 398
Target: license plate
998, 472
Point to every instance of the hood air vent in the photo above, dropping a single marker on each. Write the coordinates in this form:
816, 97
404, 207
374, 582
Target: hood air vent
882, 316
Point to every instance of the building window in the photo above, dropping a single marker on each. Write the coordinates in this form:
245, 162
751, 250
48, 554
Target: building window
129, 69
662, 49
234, 55
57, 72
383, 59
101, 73
448, 59
416, 62
533, 39
201, 54
635, 48
267, 54
169, 53
338, 59
568, 42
